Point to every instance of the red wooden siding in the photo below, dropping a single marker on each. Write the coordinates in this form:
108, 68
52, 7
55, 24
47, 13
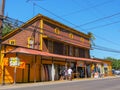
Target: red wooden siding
49, 30
21, 38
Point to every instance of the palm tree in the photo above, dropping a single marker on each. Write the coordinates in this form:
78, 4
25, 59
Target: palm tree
92, 38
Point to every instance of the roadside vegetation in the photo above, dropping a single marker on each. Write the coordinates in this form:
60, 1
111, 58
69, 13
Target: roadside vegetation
115, 63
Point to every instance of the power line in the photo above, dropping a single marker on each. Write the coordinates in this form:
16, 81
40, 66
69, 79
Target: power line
104, 39
99, 19
54, 14
85, 9
71, 22
101, 26
76, 25
79, 26
105, 49
32, 29
11, 22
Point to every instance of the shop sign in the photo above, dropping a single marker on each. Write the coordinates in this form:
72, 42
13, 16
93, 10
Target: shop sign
92, 67
14, 61
80, 64
105, 65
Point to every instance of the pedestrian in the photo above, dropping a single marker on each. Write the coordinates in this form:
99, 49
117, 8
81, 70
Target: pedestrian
70, 73
96, 75
66, 73
61, 74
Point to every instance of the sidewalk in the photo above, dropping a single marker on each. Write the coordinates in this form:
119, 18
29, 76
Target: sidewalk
11, 86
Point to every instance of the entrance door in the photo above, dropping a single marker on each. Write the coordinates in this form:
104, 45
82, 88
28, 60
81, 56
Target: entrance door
26, 73
81, 71
88, 71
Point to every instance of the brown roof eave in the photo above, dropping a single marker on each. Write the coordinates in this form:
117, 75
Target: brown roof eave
37, 52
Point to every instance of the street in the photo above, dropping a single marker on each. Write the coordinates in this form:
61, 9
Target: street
101, 84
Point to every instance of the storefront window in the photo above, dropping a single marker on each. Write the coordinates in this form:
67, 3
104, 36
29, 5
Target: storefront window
58, 48
50, 46
106, 68
71, 50
65, 50
76, 52
82, 52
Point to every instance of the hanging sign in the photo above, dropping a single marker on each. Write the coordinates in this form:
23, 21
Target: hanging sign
80, 64
105, 65
14, 61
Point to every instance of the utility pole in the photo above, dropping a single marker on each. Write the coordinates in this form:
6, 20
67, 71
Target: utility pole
1, 27
1, 19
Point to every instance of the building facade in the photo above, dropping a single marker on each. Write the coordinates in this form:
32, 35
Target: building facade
41, 47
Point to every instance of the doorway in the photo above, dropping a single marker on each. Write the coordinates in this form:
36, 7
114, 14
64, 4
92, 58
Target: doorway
26, 73
81, 71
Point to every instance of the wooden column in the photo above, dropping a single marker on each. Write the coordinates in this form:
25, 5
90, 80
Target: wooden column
53, 70
85, 71
35, 69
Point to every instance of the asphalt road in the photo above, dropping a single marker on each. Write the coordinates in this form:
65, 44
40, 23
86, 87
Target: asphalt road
102, 84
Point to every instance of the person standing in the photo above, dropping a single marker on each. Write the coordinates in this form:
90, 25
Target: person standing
70, 73
61, 74
66, 73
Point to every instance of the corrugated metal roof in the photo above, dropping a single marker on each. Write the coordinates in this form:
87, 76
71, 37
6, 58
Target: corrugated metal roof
37, 52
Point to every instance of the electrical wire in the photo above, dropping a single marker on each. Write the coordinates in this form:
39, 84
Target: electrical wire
53, 14
105, 49
79, 26
104, 39
84, 24
99, 19
85, 9
32, 29
101, 26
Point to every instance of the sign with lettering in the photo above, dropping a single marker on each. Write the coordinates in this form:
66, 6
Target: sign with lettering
105, 65
14, 61
80, 64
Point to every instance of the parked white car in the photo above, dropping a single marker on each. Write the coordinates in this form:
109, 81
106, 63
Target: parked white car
116, 72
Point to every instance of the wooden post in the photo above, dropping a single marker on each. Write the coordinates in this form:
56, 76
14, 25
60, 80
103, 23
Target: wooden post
1, 24
53, 71
15, 69
35, 70
85, 70
1, 20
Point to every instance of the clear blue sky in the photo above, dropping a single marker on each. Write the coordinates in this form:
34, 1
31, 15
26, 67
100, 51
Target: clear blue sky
78, 12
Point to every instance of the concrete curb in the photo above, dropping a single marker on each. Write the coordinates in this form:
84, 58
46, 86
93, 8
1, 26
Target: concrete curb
12, 86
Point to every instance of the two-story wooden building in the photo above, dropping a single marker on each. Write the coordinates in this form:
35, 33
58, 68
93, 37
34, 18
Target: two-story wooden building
41, 47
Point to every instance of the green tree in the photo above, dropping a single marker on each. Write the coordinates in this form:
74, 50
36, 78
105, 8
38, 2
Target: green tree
115, 62
92, 38
6, 29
